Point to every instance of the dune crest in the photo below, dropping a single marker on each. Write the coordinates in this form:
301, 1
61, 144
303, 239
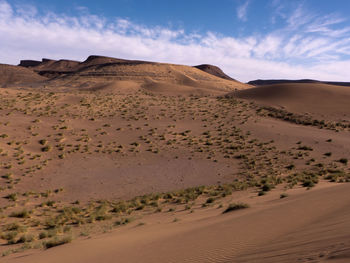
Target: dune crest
318, 99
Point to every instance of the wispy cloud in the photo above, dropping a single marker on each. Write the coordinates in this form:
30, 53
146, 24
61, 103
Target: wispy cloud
242, 11
299, 18
300, 49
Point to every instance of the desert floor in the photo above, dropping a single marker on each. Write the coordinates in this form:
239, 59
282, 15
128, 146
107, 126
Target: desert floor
144, 171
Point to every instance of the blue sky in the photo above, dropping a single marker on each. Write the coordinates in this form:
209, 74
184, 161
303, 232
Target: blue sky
248, 39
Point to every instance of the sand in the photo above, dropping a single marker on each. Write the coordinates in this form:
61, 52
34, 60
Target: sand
307, 226
321, 100
137, 161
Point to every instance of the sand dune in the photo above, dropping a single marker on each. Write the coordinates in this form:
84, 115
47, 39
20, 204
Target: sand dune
308, 226
317, 99
136, 161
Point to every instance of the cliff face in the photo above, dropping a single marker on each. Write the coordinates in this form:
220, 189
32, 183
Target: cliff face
29, 63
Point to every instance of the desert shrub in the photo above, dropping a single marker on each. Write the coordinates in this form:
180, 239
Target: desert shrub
290, 167
15, 227
308, 183
119, 207
46, 148
21, 214
10, 237
57, 241
25, 238
12, 197
43, 235
210, 200
101, 213
335, 175
43, 142
267, 187
235, 206
261, 193
7, 176
123, 221
343, 161
305, 148
283, 195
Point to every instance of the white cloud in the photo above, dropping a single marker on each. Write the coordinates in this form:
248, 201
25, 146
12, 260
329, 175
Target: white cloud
299, 18
242, 11
284, 53
5, 10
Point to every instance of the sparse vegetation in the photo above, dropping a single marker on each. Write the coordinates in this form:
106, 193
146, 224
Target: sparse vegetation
204, 131
235, 206
57, 241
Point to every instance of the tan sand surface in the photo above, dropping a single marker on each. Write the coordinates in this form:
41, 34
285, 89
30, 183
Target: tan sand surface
308, 226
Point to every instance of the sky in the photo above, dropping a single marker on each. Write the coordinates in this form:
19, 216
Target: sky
248, 39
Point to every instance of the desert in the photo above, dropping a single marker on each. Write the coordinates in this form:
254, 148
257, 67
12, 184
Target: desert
142, 161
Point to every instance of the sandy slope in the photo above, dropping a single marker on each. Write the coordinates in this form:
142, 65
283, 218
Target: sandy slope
10, 75
318, 99
112, 135
308, 226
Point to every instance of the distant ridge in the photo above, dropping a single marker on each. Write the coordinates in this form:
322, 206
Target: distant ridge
262, 82
53, 68
113, 74
29, 63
